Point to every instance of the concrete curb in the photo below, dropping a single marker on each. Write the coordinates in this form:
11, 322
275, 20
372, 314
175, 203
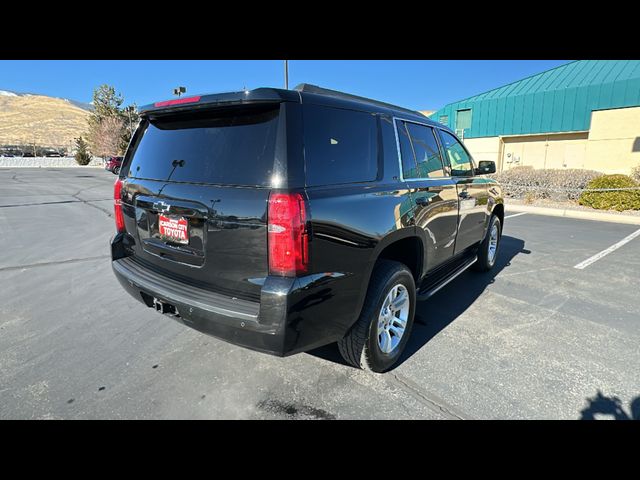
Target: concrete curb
51, 166
580, 214
45, 162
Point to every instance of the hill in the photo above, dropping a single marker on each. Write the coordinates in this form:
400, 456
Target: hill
49, 121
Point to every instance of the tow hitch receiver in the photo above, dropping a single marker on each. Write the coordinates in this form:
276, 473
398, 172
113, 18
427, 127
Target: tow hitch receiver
165, 308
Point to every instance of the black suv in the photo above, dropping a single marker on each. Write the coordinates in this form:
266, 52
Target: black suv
284, 220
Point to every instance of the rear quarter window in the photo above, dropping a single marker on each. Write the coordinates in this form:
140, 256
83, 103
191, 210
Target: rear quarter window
340, 146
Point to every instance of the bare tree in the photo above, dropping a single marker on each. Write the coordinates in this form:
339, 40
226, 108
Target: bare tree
105, 136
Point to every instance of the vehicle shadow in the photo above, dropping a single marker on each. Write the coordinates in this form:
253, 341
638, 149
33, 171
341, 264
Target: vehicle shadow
610, 407
434, 314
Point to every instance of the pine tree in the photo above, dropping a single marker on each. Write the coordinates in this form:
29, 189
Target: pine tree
106, 102
83, 157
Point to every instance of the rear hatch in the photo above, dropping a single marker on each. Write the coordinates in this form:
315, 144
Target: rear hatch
196, 191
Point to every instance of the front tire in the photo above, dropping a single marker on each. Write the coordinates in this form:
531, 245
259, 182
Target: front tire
378, 338
488, 250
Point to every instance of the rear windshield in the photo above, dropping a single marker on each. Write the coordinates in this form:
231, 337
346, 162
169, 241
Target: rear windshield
232, 148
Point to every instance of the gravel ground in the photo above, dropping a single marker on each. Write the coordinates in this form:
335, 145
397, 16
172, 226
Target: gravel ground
563, 205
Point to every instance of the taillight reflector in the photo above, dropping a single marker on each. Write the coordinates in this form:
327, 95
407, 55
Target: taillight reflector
288, 241
177, 101
117, 205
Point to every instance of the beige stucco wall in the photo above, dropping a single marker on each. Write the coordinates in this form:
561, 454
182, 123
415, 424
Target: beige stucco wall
612, 145
559, 150
486, 148
614, 140
554, 150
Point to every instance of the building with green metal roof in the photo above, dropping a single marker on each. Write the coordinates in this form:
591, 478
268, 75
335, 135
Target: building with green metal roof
584, 114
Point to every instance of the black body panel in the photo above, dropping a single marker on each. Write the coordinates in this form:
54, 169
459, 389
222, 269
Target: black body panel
219, 281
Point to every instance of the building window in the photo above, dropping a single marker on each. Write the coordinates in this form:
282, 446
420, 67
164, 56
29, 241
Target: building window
463, 119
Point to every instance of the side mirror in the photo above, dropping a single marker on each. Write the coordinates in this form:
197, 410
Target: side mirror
485, 167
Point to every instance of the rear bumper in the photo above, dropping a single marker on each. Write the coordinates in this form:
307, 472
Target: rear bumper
255, 325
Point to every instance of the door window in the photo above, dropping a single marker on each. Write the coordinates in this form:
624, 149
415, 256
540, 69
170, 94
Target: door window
419, 151
409, 168
461, 164
425, 146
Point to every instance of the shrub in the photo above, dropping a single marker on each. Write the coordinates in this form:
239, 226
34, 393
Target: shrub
529, 197
613, 200
553, 183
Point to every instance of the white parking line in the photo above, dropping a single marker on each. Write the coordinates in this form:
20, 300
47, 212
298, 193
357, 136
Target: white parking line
515, 215
612, 248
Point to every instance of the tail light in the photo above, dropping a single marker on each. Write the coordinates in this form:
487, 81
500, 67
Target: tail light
288, 241
117, 205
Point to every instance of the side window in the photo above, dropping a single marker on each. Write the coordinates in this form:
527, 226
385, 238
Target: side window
426, 149
409, 169
340, 146
458, 157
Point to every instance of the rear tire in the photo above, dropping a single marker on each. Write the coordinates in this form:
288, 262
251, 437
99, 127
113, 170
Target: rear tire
377, 339
116, 170
490, 246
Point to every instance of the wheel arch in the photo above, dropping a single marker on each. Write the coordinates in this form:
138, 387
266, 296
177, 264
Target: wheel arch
498, 210
408, 250
406, 246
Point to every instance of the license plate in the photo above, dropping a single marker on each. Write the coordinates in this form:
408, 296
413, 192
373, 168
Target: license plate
174, 229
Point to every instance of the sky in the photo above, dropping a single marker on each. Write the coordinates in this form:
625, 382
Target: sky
414, 84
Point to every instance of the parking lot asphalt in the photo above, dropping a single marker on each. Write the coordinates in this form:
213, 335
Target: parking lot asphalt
534, 338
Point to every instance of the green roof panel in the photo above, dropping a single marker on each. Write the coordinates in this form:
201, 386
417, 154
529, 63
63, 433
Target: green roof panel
557, 100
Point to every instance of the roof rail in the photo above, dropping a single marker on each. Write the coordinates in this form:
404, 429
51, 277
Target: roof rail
309, 88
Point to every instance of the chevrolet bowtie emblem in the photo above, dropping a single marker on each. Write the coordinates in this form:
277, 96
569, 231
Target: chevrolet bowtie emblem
161, 206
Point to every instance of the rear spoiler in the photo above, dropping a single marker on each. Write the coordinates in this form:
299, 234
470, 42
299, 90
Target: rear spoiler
256, 96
